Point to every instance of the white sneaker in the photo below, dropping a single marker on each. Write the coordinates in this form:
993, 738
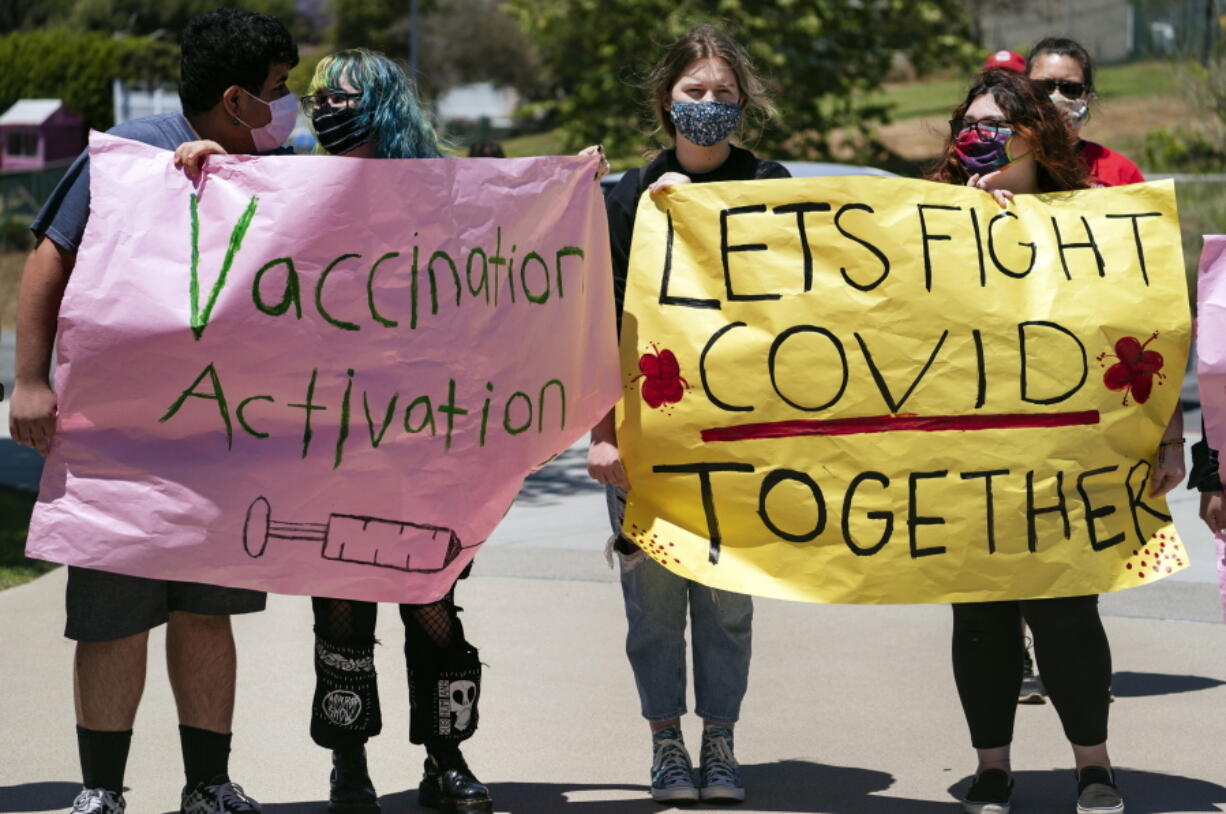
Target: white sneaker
98, 801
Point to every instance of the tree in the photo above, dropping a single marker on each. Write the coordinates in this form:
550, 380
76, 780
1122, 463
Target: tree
465, 41
461, 41
368, 24
823, 55
165, 18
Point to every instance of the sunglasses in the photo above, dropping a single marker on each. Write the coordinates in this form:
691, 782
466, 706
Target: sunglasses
1069, 90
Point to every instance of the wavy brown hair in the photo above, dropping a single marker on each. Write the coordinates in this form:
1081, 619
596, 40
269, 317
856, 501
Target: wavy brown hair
1032, 116
704, 42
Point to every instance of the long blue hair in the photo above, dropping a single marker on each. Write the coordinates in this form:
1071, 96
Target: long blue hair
389, 104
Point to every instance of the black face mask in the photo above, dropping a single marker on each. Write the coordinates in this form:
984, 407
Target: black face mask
337, 129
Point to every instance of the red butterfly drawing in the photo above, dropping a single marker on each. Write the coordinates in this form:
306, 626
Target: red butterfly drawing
1135, 369
661, 375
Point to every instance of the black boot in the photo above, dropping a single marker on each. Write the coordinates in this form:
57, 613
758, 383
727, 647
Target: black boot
352, 792
449, 785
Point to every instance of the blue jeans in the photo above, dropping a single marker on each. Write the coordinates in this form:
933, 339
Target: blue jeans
656, 604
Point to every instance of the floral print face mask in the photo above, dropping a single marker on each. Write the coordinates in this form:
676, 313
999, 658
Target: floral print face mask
980, 157
705, 123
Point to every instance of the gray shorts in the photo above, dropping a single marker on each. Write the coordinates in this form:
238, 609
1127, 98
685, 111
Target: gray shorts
103, 606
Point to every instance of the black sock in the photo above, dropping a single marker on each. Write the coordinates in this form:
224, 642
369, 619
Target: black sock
206, 756
446, 754
104, 756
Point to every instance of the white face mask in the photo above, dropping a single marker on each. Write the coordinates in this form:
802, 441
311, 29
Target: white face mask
1075, 110
284, 112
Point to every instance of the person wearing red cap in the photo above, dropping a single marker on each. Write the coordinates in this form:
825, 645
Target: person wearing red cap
1006, 59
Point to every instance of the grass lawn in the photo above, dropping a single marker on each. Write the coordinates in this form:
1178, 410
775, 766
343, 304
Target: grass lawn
1202, 211
11, 264
550, 143
15, 507
533, 144
937, 97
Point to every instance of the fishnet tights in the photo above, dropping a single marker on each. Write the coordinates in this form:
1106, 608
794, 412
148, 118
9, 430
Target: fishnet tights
434, 620
352, 623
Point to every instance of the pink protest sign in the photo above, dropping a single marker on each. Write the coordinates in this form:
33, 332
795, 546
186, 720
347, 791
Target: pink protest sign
1211, 357
318, 375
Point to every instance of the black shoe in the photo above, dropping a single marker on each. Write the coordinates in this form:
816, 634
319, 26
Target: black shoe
1097, 792
449, 786
989, 794
352, 792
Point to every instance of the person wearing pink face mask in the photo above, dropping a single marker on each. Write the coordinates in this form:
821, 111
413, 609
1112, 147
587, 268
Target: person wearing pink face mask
234, 68
1064, 72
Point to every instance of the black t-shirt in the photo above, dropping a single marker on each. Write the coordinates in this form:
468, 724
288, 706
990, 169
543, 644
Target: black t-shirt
623, 200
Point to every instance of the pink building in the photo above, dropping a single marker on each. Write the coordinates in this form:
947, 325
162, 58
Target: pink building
37, 133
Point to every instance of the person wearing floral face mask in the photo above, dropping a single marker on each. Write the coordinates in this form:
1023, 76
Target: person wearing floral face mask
1008, 138
702, 89
1064, 72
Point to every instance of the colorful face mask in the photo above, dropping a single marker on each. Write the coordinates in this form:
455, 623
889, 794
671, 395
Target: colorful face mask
1075, 110
705, 123
979, 157
337, 130
284, 112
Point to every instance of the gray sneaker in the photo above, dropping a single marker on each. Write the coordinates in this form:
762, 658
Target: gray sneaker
222, 797
721, 776
98, 801
1032, 690
672, 774
1097, 792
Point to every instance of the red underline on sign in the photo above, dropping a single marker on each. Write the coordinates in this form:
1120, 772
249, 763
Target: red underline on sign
899, 423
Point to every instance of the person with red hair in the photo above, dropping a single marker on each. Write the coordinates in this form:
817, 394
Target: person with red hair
1008, 138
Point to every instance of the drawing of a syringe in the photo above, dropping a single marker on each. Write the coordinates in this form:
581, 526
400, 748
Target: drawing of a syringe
355, 539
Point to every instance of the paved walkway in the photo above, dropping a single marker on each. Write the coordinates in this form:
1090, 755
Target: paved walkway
851, 710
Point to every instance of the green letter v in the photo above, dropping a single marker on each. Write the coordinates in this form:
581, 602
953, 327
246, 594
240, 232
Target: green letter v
200, 318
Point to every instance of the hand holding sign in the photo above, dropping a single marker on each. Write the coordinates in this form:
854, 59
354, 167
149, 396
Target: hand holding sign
817, 373
383, 370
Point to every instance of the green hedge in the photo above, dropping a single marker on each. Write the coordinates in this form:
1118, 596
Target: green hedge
79, 68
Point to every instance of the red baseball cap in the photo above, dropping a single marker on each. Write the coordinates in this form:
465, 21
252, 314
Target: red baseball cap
1006, 59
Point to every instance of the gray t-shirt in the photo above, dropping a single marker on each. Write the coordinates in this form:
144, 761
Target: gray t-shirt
65, 213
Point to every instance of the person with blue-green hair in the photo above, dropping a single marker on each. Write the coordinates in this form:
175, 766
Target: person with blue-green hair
363, 105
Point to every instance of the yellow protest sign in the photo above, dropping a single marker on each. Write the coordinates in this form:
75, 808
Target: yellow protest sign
883, 390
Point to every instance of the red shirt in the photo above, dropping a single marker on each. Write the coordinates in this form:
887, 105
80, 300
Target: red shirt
1107, 167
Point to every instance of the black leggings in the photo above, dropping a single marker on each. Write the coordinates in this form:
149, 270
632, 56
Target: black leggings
1073, 656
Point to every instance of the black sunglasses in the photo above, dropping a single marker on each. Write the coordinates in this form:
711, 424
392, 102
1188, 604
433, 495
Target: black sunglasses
1069, 90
